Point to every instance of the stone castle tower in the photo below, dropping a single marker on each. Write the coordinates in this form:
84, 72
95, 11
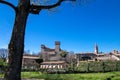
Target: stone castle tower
96, 49
51, 54
57, 46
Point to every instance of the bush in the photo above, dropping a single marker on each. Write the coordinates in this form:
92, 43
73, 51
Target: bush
118, 66
96, 67
83, 67
110, 66
102, 66
3, 66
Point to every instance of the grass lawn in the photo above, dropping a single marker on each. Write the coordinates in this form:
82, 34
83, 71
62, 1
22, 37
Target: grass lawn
80, 76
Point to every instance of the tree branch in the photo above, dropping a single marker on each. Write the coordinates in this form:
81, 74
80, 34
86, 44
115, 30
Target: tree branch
9, 4
37, 8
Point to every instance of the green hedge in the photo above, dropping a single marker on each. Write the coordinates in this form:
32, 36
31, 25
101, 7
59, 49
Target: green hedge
83, 67
118, 65
110, 66
102, 66
96, 67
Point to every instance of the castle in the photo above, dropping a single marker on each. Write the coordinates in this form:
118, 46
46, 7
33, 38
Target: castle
51, 54
52, 58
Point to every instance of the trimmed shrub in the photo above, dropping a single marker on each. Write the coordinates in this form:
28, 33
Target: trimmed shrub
117, 65
96, 67
83, 67
109, 66
102, 66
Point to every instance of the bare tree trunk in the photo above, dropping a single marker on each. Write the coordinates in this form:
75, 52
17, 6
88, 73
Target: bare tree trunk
16, 45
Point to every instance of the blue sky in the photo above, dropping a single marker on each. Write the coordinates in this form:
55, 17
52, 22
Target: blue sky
77, 27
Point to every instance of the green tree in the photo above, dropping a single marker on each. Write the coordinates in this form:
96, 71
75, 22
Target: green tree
2, 62
2, 65
16, 45
63, 53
